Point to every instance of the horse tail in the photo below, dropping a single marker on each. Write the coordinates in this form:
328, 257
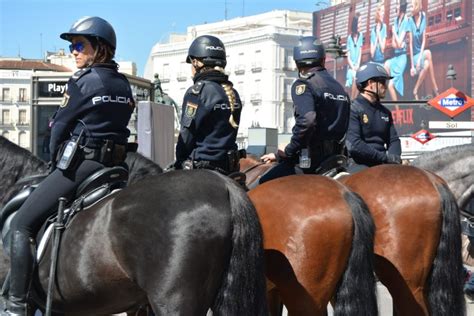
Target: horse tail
445, 282
243, 290
355, 294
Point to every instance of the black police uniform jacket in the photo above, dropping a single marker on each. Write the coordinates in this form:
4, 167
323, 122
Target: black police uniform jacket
371, 135
206, 133
101, 98
321, 110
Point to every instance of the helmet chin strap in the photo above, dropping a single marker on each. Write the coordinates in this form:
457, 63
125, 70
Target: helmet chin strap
375, 94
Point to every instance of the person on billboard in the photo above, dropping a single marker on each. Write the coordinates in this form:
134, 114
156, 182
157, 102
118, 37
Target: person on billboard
421, 58
371, 138
91, 120
355, 40
321, 108
210, 113
378, 36
396, 65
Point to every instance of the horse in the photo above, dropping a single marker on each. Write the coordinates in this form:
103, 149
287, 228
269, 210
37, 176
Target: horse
417, 238
321, 241
318, 240
454, 164
183, 242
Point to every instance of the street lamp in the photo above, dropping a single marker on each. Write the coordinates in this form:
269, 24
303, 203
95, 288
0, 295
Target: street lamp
334, 49
451, 74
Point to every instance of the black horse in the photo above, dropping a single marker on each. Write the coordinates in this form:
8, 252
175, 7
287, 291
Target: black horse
184, 242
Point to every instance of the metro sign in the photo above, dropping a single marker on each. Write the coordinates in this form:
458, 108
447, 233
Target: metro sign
423, 136
452, 102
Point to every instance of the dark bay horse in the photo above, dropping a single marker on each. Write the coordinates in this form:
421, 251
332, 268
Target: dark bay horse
318, 240
184, 242
417, 239
253, 169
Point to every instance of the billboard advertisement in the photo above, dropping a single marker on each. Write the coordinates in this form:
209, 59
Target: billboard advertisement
416, 41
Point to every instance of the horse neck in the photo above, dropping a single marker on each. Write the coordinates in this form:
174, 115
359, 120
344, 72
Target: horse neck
14, 167
455, 167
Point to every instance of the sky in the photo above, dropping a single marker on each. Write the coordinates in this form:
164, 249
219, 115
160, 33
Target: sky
29, 28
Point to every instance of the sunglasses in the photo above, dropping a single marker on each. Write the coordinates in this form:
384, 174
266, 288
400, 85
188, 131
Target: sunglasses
78, 47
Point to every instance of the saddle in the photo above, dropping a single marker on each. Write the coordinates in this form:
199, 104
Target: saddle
91, 190
332, 166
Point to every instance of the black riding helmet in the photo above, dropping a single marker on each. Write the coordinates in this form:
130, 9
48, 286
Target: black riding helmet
309, 51
209, 49
369, 71
92, 26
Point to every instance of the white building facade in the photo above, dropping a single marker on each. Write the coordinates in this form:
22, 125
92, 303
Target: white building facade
259, 63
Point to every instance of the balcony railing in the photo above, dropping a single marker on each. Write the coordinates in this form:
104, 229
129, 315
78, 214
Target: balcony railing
240, 69
182, 76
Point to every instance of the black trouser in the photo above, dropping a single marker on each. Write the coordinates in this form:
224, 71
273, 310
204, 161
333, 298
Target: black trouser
33, 213
283, 169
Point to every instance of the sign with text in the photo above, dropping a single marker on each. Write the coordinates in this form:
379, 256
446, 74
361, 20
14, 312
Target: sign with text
51, 89
451, 125
423, 136
452, 102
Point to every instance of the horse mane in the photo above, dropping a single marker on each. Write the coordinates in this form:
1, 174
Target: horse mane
141, 167
436, 160
16, 163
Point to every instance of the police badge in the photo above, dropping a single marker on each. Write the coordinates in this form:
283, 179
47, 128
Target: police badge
65, 100
365, 118
191, 109
300, 89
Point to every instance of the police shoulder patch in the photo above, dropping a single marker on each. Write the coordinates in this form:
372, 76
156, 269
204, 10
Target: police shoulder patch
191, 109
65, 100
300, 89
365, 118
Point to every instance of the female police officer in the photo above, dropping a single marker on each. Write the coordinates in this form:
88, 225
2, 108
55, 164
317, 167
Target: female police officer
94, 115
210, 112
371, 137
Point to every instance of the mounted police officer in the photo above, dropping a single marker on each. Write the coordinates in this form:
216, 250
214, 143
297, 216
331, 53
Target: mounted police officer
89, 131
372, 138
321, 109
210, 112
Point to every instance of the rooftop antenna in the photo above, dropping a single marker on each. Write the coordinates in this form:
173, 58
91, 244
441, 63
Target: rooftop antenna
19, 50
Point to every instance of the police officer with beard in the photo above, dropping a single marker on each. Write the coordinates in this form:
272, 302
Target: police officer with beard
372, 138
88, 132
321, 113
210, 112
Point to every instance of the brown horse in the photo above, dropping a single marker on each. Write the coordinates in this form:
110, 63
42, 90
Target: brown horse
417, 238
318, 240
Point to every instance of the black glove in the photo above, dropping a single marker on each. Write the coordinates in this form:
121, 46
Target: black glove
394, 159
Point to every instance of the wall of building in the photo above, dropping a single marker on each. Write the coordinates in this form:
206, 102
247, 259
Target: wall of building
259, 62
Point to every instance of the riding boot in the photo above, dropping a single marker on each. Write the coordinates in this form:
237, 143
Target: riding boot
22, 264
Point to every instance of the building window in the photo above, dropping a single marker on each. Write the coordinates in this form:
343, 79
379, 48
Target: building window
22, 95
23, 140
22, 117
5, 116
6, 94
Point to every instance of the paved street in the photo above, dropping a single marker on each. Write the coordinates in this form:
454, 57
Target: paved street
385, 303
